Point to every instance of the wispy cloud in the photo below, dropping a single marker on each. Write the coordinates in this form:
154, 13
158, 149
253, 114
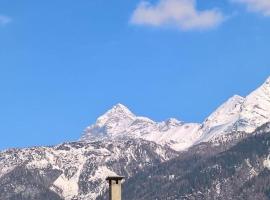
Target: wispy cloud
4, 20
261, 6
181, 14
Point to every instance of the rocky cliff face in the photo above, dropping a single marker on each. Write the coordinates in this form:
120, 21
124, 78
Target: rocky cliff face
74, 170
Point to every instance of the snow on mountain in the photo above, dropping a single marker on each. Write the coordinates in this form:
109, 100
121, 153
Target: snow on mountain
225, 114
236, 114
121, 122
121, 143
178, 137
206, 172
222, 120
112, 123
74, 170
255, 110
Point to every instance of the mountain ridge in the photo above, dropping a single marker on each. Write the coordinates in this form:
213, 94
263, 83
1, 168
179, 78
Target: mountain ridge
237, 113
241, 171
121, 143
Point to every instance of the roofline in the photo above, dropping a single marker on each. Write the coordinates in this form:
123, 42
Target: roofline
117, 178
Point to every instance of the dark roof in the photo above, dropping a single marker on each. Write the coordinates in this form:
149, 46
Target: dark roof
115, 178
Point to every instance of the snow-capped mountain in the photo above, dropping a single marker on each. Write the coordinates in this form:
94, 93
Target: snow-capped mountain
255, 110
222, 119
112, 123
243, 114
238, 114
121, 143
74, 170
239, 172
121, 122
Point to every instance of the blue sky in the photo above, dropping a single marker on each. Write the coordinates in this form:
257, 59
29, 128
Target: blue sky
63, 63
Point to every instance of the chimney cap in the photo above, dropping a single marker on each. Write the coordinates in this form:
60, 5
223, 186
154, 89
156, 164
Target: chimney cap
115, 178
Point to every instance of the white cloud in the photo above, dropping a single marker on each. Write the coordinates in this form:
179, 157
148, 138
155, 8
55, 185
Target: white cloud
181, 14
262, 6
4, 20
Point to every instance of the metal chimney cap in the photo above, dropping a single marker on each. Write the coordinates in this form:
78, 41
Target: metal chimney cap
115, 178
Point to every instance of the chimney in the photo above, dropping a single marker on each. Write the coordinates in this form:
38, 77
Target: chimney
115, 187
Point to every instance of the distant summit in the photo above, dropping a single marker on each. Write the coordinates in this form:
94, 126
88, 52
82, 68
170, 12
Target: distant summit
236, 114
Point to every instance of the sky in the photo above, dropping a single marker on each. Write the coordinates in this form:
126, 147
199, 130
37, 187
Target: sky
64, 63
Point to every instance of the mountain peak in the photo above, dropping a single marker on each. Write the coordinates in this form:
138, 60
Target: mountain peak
256, 108
115, 121
120, 108
227, 110
116, 113
237, 113
222, 118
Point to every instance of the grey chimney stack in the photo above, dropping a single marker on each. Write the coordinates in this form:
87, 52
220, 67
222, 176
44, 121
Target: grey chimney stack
115, 187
